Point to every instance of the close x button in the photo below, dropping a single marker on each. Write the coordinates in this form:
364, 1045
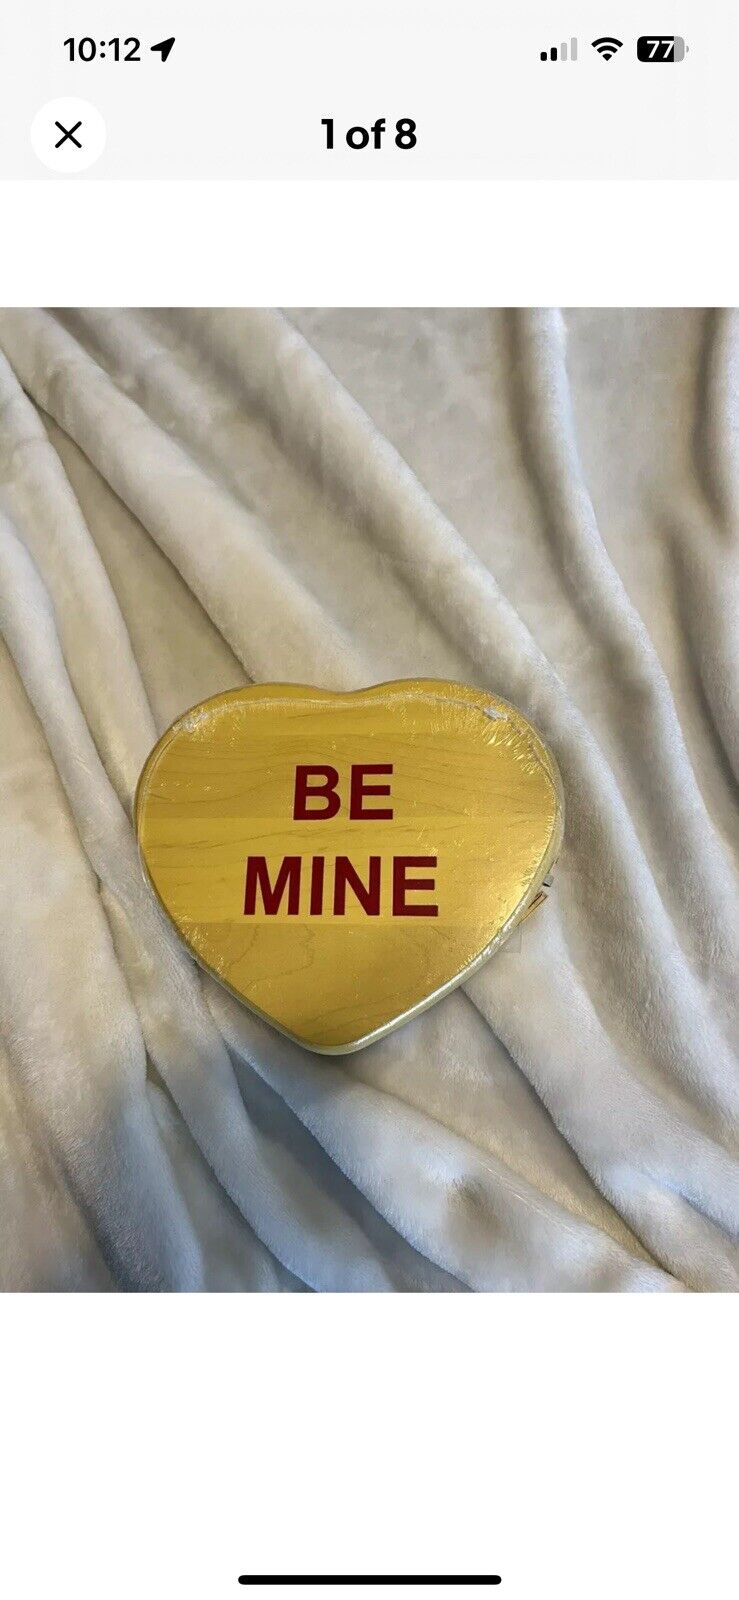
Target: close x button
68, 135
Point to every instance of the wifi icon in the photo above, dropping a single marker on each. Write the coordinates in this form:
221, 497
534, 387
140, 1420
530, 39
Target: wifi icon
607, 47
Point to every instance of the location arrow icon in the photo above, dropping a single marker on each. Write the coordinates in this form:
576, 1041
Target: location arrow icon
164, 47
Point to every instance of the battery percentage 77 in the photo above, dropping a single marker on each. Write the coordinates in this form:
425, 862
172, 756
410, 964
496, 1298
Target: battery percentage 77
661, 47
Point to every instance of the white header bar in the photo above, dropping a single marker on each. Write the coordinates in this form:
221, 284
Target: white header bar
370, 89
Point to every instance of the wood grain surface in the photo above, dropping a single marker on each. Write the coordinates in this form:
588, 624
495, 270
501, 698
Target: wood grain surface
476, 820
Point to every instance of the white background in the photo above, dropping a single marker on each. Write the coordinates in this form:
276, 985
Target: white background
578, 1446
432, 243
247, 85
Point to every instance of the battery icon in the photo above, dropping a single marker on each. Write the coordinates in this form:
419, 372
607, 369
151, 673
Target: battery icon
661, 47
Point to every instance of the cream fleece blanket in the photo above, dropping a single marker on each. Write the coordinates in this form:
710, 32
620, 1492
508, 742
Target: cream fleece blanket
544, 506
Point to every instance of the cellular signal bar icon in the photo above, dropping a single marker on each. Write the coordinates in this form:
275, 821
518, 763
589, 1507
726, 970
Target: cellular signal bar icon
560, 52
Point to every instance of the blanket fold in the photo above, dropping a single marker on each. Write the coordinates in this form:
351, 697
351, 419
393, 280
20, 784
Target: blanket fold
542, 504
